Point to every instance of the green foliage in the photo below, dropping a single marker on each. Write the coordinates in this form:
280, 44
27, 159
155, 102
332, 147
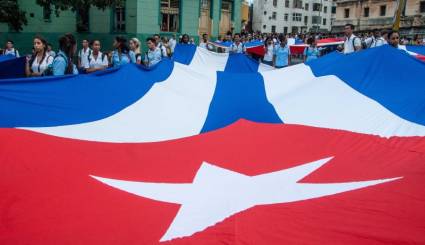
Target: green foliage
12, 15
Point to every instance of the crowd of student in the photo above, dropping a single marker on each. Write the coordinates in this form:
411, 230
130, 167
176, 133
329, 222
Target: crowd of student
44, 61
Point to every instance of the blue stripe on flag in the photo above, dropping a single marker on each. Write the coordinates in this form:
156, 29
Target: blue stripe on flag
239, 96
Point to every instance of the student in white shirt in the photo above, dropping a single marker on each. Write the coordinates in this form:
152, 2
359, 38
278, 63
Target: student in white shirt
352, 43
269, 52
10, 50
204, 42
84, 54
172, 43
160, 45
376, 40
97, 61
237, 46
40, 60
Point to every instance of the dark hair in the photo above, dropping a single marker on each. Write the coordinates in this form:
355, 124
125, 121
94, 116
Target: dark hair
67, 43
151, 39
267, 40
10, 41
43, 41
390, 33
350, 25
122, 45
185, 36
310, 41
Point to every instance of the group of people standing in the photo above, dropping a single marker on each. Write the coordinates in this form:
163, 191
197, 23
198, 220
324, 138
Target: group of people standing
44, 61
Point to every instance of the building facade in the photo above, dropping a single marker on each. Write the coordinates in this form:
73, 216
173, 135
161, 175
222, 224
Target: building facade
367, 15
135, 18
292, 16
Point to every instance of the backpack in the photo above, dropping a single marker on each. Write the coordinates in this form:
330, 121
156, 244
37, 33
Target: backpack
362, 42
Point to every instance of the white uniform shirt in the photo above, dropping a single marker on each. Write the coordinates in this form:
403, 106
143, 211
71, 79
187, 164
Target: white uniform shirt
239, 49
172, 42
83, 56
40, 67
97, 62
348, 44
12, 52
268, 56
373, 42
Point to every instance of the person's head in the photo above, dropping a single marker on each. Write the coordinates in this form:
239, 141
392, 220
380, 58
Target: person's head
268, 42
39, 44
151, 43
134, 44
237, 38
185, 39
9, 44
205, 37
164, 40
68, 44
49, 47
377, 33
120, 43
393, 39
157, 38
85, 43
283, 41
348, 29
96, 46
311, 42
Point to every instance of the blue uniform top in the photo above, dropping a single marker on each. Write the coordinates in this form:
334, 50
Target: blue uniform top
118, 60
282, 54
60, 63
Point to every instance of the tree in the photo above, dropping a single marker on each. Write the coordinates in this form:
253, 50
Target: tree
11, 14
81, 7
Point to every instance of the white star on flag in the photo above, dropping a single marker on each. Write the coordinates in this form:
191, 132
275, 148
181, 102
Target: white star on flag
217, 193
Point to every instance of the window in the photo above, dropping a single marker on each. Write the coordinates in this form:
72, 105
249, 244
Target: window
333, 9
422, 7
285, 18
285, 29
274, 3
205, 4
47, 13
273, 29
119, 18
317, 7
296, 17
346, 13
264, 26
265, 12
382, 10
305, 20
306, 6
315, 20
298, 4
274, 15
325, 9
366, 12
170, 15
324, 22
286, 3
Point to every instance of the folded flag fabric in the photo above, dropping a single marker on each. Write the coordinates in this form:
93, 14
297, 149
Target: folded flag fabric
198, 150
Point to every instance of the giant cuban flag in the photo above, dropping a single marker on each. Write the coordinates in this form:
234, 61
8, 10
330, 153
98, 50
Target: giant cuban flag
216, 149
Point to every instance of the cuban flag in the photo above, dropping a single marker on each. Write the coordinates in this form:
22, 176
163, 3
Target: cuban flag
215, 149
416, 50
